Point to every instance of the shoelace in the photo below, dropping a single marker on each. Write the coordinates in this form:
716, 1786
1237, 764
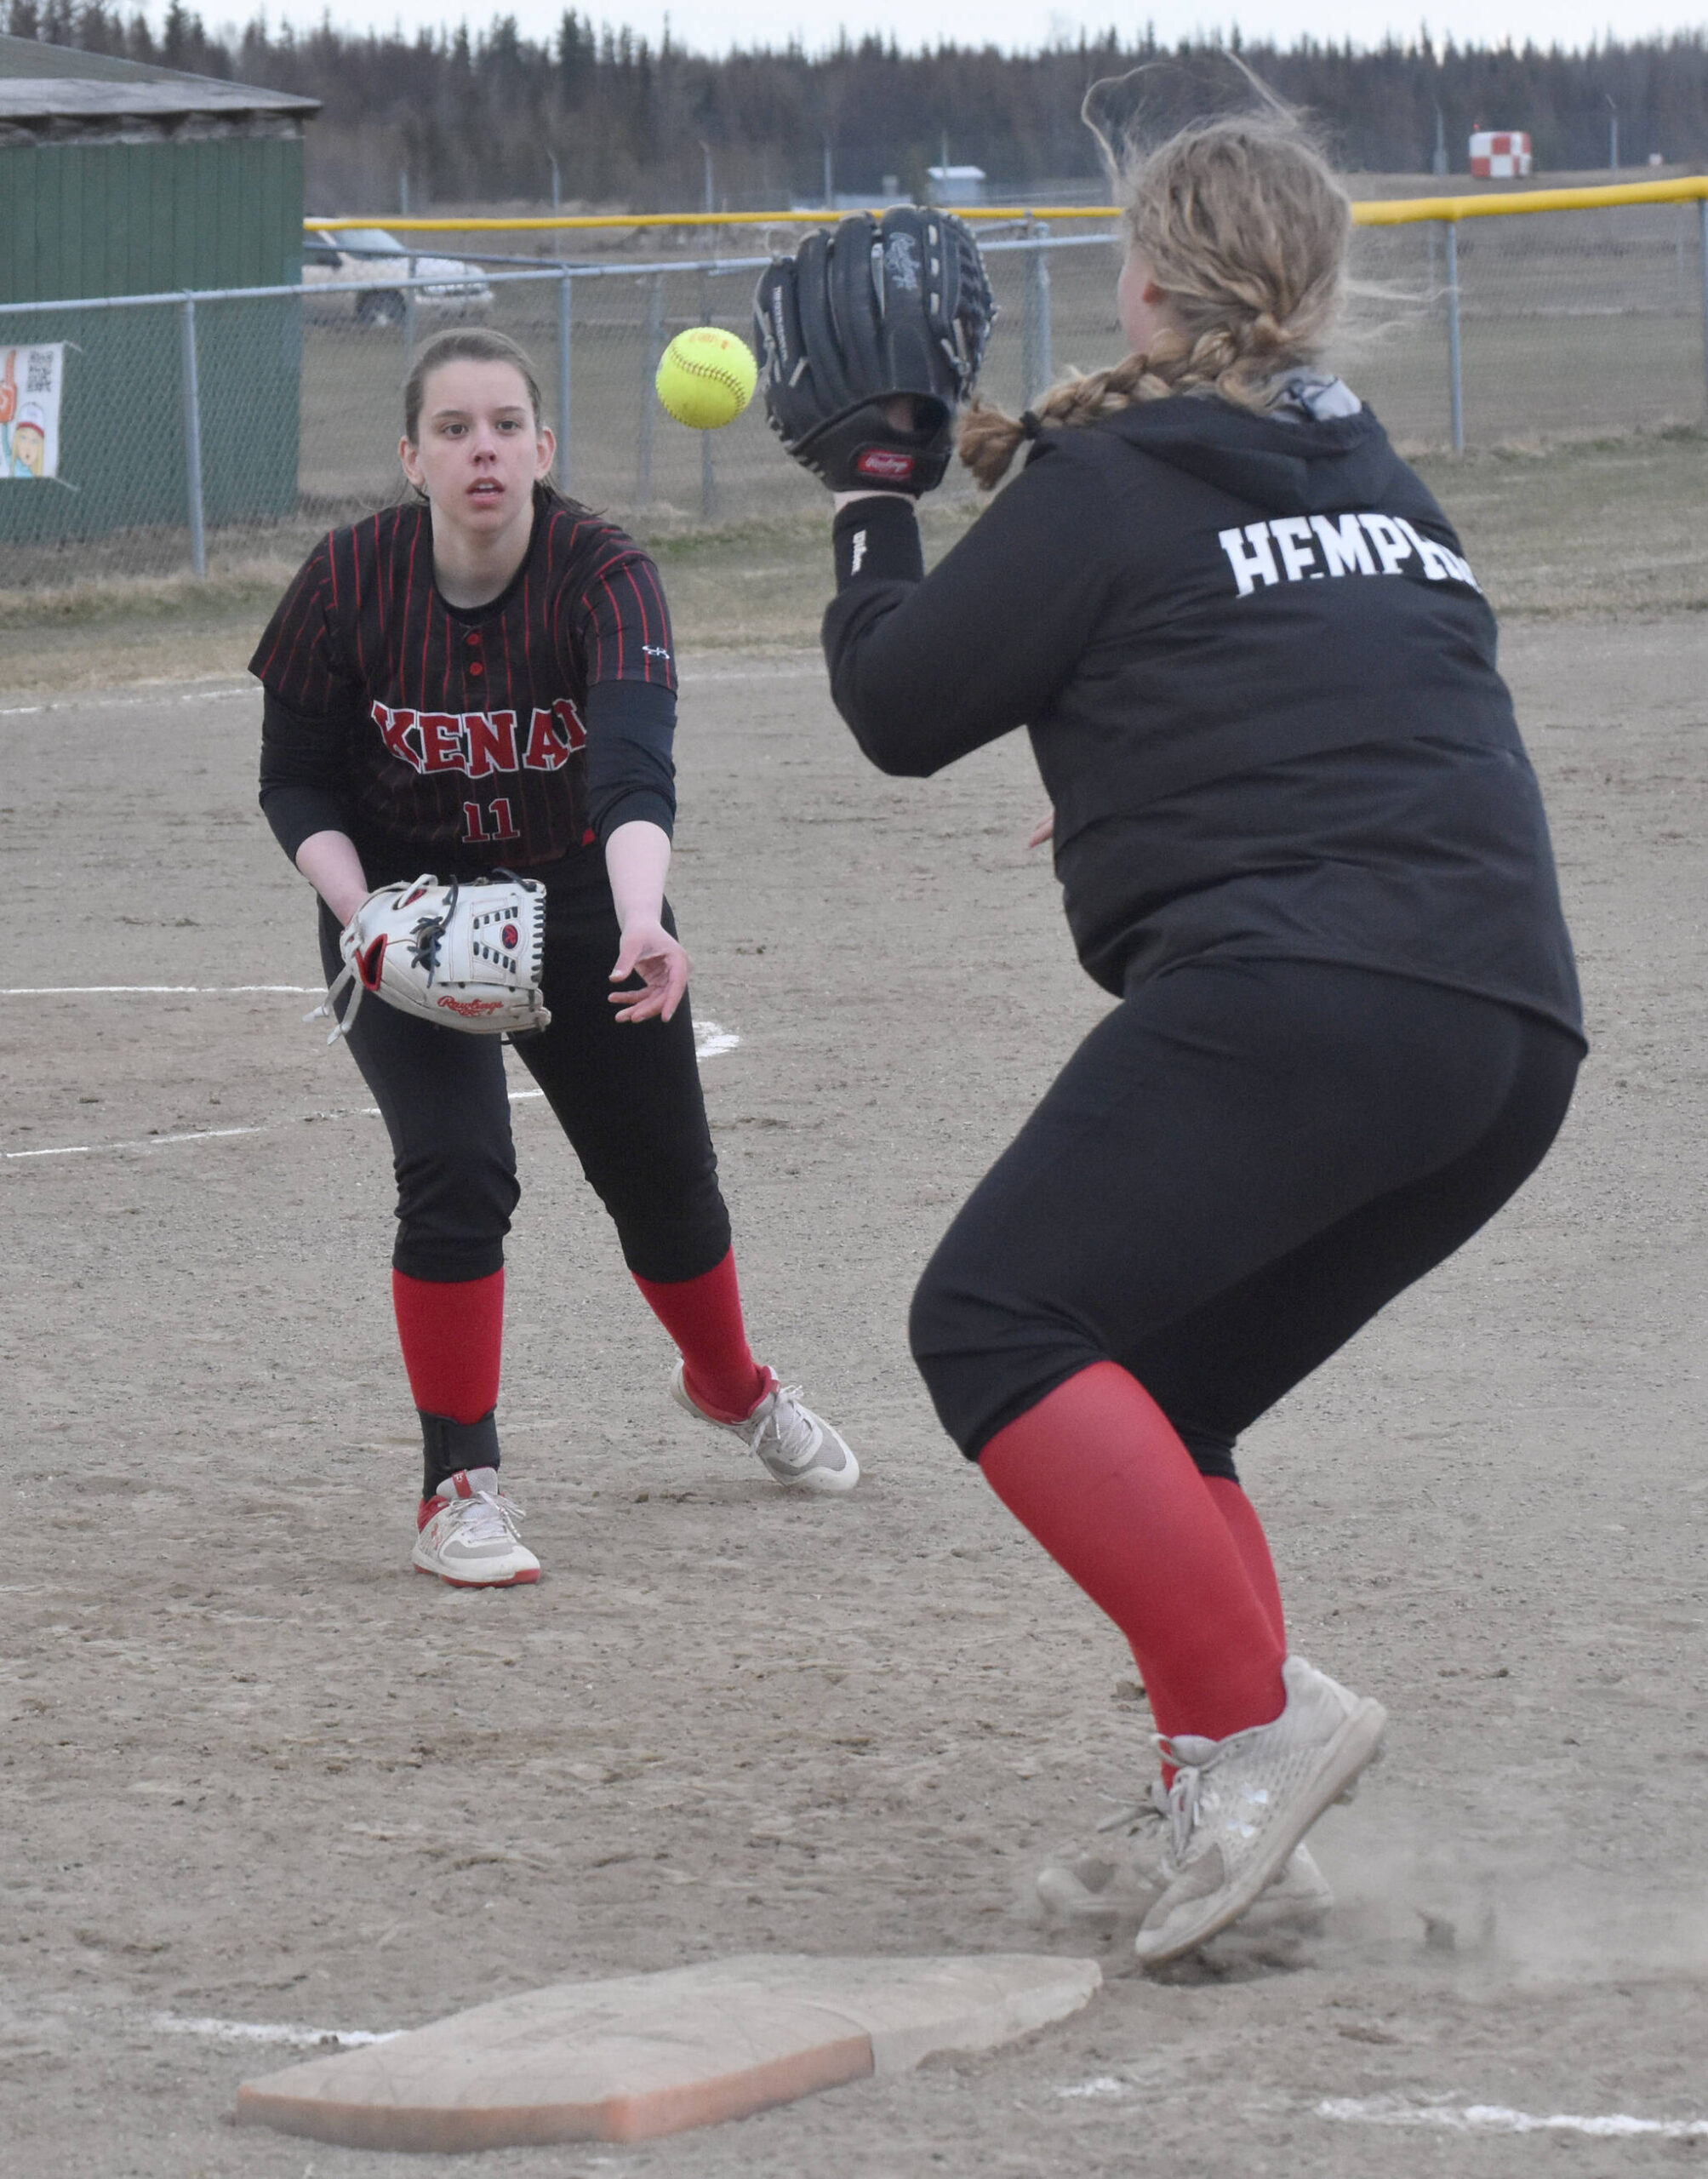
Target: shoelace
484, 1519
795, 1444
1184, 1794
327, 1009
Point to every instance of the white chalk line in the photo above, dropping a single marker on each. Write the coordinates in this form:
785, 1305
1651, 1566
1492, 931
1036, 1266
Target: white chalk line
1449, 2118
167, 695
216, 1134
710, 1042
149, 1142
709, 1039
156, 990
127, 703
1498, 2119
258, 2030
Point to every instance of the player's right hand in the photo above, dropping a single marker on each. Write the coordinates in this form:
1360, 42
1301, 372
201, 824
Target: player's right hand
662, 963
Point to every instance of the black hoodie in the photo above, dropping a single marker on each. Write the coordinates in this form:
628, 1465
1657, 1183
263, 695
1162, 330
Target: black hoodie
1261, 683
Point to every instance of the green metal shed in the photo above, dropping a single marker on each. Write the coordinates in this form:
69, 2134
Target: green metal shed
121, 179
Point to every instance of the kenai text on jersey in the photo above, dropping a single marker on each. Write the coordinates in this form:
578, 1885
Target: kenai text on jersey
480, 743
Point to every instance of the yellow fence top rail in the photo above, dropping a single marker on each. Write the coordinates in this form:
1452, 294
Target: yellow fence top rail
1404, 211
1390, 212
555, 221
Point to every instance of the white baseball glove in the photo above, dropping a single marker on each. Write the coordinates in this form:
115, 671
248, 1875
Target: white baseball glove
466, 955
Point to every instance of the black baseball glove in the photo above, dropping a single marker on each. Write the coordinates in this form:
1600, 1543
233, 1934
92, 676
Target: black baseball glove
880, 308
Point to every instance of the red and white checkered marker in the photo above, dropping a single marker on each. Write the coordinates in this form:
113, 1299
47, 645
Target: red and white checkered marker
1500, 154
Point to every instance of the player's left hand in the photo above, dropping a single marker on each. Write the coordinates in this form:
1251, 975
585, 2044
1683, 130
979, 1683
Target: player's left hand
662, 963
1043, 830
882, 308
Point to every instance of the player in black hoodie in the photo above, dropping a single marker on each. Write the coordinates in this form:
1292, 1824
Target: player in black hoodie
1299, 838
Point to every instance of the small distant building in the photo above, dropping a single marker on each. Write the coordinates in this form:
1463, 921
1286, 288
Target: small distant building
957, 185
1500, 154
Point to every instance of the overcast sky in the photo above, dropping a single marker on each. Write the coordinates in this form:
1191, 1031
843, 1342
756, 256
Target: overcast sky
1017, 25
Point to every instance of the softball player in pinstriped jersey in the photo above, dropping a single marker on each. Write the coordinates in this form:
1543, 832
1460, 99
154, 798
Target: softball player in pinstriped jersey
483, 679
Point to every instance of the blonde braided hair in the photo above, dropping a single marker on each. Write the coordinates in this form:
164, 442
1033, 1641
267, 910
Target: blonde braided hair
1244, 229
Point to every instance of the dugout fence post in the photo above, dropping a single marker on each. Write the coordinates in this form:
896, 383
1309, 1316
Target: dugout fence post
652, 348
1034, 327
193, 438
566, 290
1702, 209
1455, 371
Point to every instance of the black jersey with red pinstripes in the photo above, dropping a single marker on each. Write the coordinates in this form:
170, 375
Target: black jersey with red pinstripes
466, 732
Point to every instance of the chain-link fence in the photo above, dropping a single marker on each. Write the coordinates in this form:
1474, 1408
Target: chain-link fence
141, 435
1492, 332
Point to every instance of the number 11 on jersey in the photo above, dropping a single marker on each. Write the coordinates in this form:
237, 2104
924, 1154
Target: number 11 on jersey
475, 833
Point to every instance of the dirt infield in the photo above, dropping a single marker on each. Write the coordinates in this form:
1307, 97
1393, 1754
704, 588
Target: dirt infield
255, 1773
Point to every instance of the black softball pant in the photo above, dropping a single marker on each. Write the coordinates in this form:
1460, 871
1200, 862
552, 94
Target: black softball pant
1238, 1168
626, 1093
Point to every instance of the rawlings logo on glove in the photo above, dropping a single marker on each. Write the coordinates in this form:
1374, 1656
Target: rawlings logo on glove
465, 955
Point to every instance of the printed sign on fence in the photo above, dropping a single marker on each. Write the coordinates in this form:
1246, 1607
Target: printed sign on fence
30, 383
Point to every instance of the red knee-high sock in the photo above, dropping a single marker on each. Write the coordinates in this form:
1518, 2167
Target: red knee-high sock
452, 1333
1246, 1531
702, 1316
1097, 1473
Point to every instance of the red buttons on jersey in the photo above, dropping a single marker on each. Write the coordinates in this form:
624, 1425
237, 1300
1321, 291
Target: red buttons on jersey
474, 638
475, 667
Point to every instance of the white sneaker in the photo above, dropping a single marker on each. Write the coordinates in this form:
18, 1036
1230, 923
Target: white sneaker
1238, 1807
468, 1535
1115, 1883
795, 1446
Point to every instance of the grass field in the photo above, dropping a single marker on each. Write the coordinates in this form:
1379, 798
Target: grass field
1606, 528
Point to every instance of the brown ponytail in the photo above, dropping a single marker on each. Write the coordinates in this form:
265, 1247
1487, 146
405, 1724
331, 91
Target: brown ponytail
1245, 230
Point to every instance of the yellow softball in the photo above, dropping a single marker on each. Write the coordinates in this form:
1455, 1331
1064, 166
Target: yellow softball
706, 377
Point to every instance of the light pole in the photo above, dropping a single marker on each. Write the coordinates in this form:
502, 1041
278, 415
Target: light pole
557, 204
1612, 133
1439, 163
710, 195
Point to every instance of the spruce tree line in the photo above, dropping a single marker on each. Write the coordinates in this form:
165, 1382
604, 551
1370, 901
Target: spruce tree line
475, 117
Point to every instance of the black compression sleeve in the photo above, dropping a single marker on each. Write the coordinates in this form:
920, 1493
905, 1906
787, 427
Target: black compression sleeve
305, 772
296, 813
631, 727
926, 667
